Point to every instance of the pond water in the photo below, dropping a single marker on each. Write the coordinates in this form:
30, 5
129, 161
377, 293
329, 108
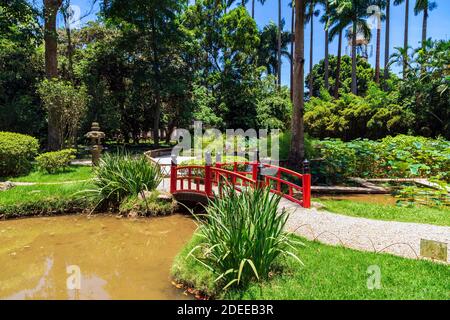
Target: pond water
117, 258
365, 198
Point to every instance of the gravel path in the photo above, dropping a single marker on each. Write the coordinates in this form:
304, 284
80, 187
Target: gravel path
398, 238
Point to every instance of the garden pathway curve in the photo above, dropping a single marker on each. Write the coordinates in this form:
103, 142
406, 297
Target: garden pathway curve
398, 238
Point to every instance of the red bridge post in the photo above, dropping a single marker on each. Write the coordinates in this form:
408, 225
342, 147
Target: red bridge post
208, 178
173, 174
306, 185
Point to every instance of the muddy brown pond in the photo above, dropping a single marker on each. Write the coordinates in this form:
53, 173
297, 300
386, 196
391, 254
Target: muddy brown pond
117, 258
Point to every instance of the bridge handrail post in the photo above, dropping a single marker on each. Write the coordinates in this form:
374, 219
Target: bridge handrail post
260, 180
218, 165
208, 180
255, 170
306, 185
173, 174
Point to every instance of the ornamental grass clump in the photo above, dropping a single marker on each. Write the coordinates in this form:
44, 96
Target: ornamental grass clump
121, 176
243, 237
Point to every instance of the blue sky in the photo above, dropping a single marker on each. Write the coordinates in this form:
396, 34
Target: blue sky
438, 27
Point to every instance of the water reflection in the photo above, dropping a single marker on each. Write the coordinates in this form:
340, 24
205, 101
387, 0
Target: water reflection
118, 259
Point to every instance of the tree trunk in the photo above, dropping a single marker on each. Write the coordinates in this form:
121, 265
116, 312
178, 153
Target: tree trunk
297, 152
292, 51
377, 58
156, 121
387, 43
158, 88
354, 83
423, 69
424, 27
279, 44
253, 9
338, 67
327, 63
51, 8
405, 45
311, 53
69, 44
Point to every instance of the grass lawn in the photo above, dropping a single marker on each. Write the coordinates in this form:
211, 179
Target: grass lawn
43, 199
74, 173
329, 273
388, 212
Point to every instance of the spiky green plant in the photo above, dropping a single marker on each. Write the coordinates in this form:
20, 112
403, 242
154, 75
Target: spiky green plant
120, 176
243, 236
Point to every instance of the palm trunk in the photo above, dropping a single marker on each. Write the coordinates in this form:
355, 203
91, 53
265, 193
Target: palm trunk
424, 27
405, 45
311, 53
253, 9
279, 44
327, 63
338, 67
297, 152
377, 58
423, 69
386, 46
292, 51
354, 84
51, 8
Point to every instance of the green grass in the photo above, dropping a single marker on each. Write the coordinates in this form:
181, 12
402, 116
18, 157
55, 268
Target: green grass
329, 273
418, 214
23, 201
74, 173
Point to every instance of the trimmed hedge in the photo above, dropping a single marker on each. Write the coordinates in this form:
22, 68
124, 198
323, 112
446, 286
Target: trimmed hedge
52, 162
16, 153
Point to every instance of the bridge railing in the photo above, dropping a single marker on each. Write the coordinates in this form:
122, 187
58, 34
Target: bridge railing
209, 180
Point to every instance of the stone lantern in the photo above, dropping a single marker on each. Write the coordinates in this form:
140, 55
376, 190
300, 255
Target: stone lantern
96, 136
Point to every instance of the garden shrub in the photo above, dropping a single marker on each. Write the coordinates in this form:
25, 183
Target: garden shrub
16, 153
243, 236
52, 162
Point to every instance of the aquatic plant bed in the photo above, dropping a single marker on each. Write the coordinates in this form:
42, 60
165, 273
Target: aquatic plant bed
390, 212
329, 273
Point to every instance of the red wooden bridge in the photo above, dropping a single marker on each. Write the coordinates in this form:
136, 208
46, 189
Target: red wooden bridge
210, 180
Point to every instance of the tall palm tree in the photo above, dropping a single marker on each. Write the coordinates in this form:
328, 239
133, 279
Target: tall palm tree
325, 19
280, 30
336, 28
309, 18
424, 6
253, 6
406, 34
292, 5
387, 40
297, 151
267, 50
354, 12
380, 4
